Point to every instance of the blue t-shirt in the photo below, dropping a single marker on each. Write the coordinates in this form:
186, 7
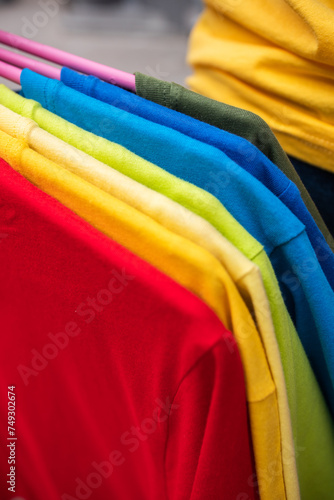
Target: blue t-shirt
306, 291
237, 148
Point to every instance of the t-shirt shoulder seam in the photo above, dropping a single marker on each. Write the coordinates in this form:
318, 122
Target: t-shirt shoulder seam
300, 233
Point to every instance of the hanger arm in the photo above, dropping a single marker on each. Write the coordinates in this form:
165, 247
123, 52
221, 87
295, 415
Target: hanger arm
26, 62
10, 72
111, 75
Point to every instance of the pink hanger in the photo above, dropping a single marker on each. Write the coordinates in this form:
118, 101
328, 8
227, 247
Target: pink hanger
25, 62
111, 75
10, 72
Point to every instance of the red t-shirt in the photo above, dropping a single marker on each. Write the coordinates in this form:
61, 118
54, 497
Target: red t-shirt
127, 386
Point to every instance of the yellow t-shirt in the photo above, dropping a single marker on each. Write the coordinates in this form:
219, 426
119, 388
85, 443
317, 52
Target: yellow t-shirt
188, 264
245, 274
274, 58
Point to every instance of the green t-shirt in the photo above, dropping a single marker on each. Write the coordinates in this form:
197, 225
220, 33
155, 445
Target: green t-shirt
234, 120
312, 426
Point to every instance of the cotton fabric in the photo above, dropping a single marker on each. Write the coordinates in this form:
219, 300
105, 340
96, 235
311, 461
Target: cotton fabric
232, 119
178, 219
188, 264
320, 185
238, 149
281, 70
311, 422
307, 293
119, 338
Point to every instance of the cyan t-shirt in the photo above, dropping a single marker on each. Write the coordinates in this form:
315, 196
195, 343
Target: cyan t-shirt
305, 289
243, 152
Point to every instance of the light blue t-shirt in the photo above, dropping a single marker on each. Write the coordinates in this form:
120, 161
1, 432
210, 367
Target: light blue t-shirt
305, 289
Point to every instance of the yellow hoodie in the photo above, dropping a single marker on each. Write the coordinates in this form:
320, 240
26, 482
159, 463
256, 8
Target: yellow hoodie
275, 58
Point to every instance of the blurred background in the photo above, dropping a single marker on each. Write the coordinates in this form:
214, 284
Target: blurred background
132, 35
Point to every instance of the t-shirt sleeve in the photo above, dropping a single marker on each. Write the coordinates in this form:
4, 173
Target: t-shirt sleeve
208, 452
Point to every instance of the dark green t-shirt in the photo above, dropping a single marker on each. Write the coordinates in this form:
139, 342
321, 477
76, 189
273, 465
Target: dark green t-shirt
235, 120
